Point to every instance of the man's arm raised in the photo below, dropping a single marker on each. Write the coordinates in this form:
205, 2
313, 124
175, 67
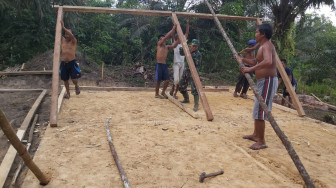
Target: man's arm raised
69, 33
167, 35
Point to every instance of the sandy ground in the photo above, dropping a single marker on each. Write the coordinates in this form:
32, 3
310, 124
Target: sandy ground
159, 145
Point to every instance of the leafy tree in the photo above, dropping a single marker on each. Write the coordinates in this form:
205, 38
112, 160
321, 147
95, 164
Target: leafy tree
284, 14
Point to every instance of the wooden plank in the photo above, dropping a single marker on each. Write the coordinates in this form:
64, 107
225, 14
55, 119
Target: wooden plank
19, 90
11, 153
289, 87
56, 65
150, 12
26, 73
60, 99
193, 70
32, 111
184, 108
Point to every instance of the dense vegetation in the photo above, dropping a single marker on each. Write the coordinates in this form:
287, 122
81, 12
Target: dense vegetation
308, 43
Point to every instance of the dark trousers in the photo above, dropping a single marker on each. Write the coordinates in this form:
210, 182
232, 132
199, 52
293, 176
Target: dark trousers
242, 82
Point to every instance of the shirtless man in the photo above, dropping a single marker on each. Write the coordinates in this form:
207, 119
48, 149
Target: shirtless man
161, 71
69, 67
264, 66
242, 84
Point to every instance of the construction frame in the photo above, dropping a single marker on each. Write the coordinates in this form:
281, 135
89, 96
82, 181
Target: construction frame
174, 15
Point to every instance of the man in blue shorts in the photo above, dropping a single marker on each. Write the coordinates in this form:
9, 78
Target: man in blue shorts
161, 70
264, 66
69, 67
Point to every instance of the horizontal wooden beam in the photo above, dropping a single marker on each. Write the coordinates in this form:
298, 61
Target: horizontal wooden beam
25, 73
150, 12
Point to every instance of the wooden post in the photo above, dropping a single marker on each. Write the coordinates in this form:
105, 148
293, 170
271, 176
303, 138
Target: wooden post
193, 70
102, 76
56, 66
304, 174
289, 87
20, 148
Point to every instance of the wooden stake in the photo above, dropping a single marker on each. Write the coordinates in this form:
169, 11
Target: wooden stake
23, 153
184, 108
304, 174
193, 70
102, 71
115, 156
56, 66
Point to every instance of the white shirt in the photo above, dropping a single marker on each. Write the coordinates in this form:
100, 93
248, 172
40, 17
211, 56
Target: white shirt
177, 56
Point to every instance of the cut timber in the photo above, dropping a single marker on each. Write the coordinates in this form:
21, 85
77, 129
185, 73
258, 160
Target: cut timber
193, 70
329, 105
289, 87
149, 12
25, 73
95, 88
184, 108
22, 90
289, 147
11, 153
56, 65
60, 99
20, 148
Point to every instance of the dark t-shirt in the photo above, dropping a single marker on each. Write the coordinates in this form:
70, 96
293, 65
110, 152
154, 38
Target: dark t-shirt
289, 73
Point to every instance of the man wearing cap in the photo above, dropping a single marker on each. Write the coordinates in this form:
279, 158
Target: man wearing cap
242, 81
186, 77
161, 70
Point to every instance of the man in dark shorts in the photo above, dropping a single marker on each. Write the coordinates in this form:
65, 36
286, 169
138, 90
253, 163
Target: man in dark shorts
161, 70
264, 66
186, 77
69, 67
291, 78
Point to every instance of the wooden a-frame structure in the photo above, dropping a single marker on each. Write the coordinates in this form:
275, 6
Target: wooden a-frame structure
194, 74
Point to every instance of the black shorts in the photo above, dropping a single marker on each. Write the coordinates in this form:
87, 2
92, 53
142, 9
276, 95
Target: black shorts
69, 69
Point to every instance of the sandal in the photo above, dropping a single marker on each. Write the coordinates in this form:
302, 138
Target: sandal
67, 96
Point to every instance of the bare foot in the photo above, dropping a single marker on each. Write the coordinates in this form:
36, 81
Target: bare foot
258, 146
250, 137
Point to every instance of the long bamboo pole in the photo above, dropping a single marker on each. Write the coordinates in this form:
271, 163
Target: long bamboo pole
56, 65
115, 156
193, 70
278, 131
20, 148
